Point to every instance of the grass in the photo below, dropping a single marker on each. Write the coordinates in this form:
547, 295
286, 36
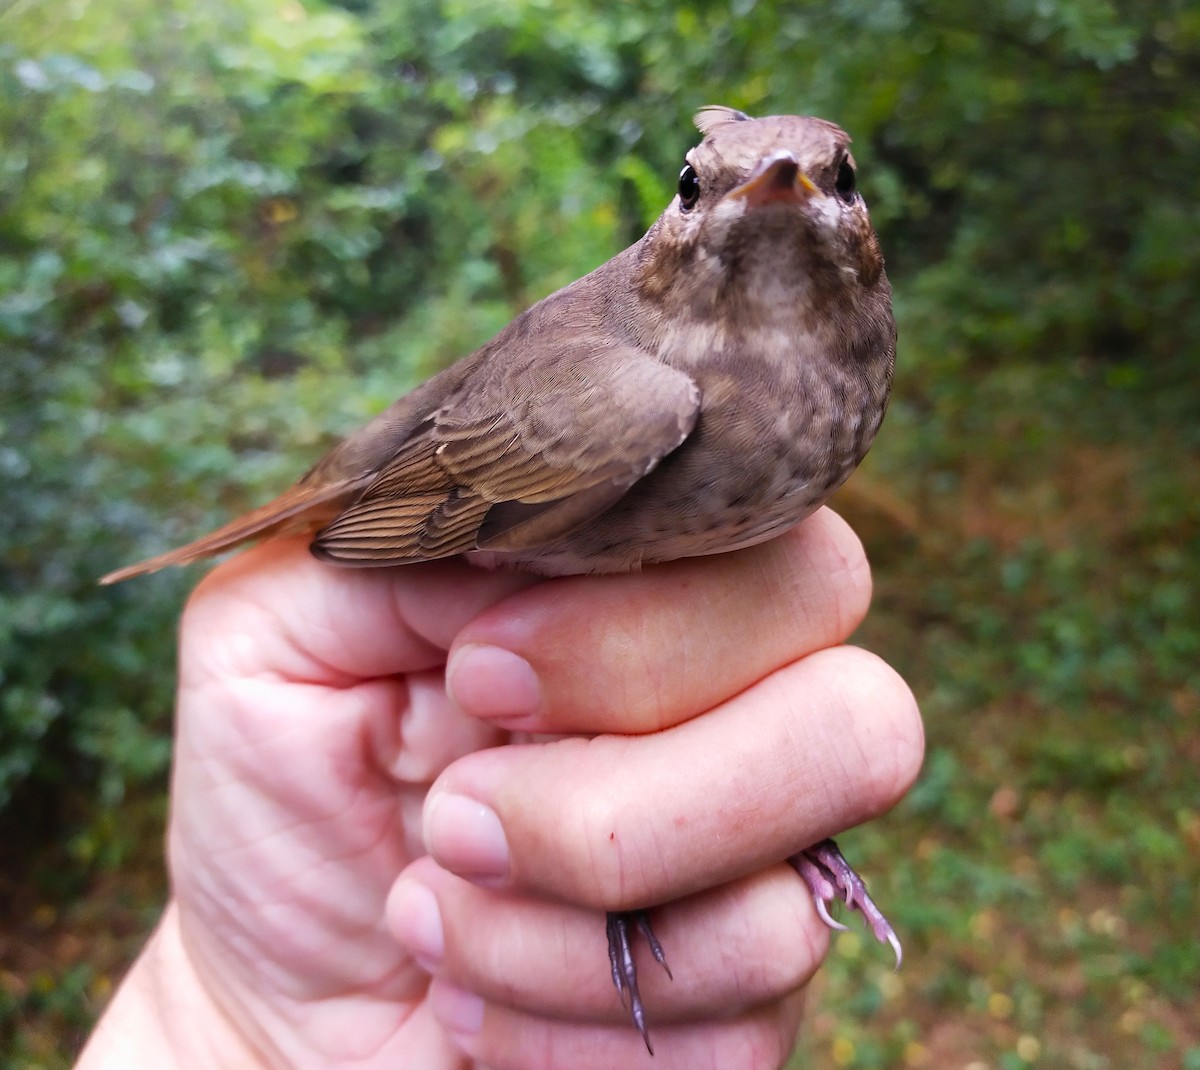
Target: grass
1044, 870
1037, 555
75, 928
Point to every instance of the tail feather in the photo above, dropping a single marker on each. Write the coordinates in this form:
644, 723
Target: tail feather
302, 508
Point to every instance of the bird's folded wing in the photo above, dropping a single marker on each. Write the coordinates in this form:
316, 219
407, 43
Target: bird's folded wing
536, 453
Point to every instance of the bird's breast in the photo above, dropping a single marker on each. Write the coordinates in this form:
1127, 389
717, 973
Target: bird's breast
782, 425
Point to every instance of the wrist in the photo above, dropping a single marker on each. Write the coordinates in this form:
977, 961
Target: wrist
162, 1016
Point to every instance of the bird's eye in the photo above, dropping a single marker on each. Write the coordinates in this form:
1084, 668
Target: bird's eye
846, 181
689, 187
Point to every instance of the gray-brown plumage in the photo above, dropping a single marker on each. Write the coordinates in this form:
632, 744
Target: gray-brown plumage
704, 390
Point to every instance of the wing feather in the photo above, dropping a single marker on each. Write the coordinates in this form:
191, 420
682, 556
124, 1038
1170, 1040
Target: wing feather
520, 463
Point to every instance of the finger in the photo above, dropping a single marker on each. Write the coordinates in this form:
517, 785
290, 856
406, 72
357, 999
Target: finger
308, 661
636, 653
275, 609
817, 747
505, 1039
732, 949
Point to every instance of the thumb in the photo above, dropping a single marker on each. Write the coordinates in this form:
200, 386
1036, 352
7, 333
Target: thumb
275, 609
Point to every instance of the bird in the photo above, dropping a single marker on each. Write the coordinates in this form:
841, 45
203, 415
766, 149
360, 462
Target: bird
704, 390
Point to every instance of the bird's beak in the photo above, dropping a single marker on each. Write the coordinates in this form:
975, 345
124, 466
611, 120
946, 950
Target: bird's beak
777, 178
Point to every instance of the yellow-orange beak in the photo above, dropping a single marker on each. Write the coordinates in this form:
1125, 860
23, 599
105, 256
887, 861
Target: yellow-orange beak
778, 178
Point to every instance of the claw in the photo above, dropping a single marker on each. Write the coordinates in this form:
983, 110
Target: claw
894, 940
830, 878
624, 967
618, 949
826, 917
643, 924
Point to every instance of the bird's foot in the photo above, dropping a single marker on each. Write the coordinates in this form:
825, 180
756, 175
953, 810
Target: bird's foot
624, 968
830, 879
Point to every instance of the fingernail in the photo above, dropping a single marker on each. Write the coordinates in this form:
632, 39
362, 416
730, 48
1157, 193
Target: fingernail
416, 921
491, 683
458, 1010
466, 837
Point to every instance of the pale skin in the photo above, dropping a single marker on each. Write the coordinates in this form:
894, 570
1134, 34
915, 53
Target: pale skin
362, 878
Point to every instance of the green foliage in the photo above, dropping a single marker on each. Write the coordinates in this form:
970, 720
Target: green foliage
230, 231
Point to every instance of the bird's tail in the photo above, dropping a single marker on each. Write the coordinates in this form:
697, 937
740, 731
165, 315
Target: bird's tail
303, 508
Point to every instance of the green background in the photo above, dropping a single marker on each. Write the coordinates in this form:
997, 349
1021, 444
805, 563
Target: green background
231, 231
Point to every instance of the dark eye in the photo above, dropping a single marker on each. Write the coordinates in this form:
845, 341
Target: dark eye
846, 181
689, 187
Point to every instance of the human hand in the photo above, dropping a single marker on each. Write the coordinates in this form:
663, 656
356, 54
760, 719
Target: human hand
313, 718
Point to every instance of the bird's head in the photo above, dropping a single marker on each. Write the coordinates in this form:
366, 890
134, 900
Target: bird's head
767, 216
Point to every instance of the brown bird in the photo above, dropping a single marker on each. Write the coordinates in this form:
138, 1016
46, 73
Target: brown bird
704, 390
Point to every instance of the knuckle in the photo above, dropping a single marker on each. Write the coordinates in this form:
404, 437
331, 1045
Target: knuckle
774, 903
761, 1041
588, 840
830, 574
595, 840
848, 572
884, 713
784, 969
